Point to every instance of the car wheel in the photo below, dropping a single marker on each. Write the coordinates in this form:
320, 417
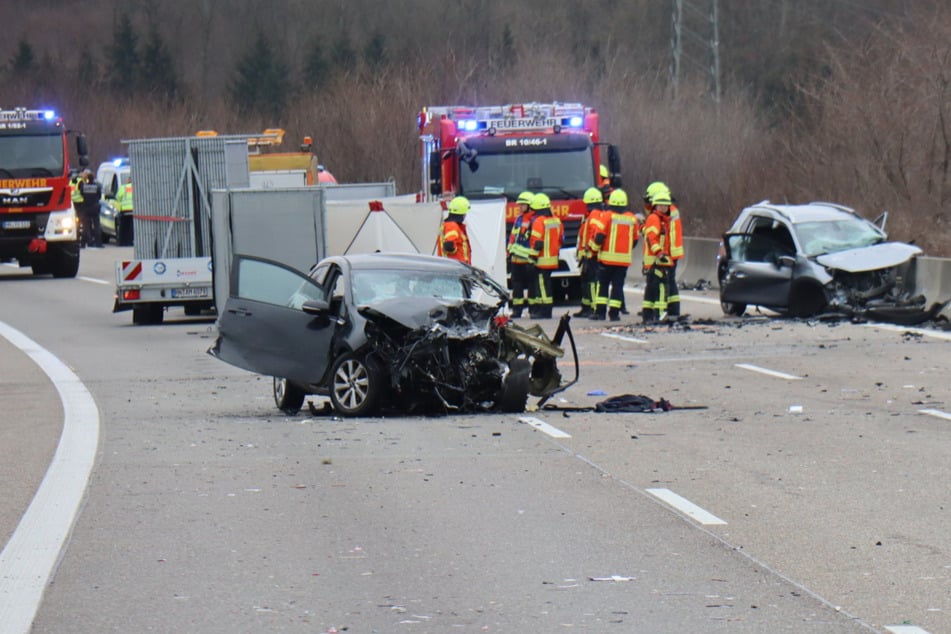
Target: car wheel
288, 397
806, 300
514, 392
732, 308
355, 386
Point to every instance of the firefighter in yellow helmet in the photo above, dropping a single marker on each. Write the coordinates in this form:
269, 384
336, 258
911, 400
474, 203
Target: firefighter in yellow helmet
588, 261
615, 240
453, 241
546, 238
521, 265
661, 295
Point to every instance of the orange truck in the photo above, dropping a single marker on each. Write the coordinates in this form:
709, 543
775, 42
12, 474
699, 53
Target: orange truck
501, 151
38, 225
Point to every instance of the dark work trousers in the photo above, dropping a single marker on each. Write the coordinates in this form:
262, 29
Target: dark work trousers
91, 231
541, 303
610, 290
522, 275
660, 293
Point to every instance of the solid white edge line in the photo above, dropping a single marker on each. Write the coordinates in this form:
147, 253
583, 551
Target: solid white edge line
683, 297
905, 629
541, 425
918, 331
612, 335
935, 412
686, 507
30, 556
767, 371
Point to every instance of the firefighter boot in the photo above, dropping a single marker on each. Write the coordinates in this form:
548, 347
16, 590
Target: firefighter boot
599, 312
584, 312
649, 315
614, 314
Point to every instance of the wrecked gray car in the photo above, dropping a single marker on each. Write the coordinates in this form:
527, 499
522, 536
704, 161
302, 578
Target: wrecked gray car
381, 332
803, 260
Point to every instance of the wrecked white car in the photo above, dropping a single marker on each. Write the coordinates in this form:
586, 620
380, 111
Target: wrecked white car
803, 260
379, 332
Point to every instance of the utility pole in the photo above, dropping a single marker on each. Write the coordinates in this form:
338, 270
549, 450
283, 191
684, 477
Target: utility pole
695, 38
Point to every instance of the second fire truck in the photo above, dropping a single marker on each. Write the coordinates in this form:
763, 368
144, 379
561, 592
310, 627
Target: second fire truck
501, 151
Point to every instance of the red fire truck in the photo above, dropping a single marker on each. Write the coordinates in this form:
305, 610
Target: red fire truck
501, 151
38, 225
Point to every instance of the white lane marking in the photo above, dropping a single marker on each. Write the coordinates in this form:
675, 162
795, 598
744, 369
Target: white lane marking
779, 375
94, 280
686, 507
917, 331
612, 335
905, 629
29, 558
935, 412
541, 425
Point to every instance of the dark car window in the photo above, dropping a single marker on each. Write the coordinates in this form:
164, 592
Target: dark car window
271, 284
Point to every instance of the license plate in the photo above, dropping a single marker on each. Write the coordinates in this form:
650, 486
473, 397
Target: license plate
16, 224
179, 293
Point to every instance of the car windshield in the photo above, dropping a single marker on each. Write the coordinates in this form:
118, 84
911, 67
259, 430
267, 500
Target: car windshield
841, 234
31, 155
562, 174
376, 285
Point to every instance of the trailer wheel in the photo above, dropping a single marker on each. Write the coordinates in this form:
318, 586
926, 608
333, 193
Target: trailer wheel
288, 397
147, 314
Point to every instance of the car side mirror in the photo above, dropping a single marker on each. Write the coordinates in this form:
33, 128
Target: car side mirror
786, 260
316, 307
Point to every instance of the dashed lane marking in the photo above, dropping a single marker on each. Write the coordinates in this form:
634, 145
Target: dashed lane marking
936, 334
541, 425
935, 412
768, 372
905, 629
94, 280
686, 507
612, 335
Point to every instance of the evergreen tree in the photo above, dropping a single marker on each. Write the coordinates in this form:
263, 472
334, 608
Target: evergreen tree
343, 56
23, 59
374, 53
316, 68
158, 69
123, 71
88, 70
260, 85
507, 53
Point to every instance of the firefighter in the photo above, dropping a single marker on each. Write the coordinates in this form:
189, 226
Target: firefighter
614, 238
661, 295
91, 193
520, 257
453, 242
546, 238
588, 261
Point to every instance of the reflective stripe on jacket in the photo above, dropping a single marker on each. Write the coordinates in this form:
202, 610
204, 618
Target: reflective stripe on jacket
520, 239
124, 197
676, 234
547, 235
620, 238
453, 242
656, 228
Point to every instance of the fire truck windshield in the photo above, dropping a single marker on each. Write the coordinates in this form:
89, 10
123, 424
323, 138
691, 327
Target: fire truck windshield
562, 174
35, 155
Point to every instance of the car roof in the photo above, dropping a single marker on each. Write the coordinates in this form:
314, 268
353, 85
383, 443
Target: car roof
808, 212
401, 261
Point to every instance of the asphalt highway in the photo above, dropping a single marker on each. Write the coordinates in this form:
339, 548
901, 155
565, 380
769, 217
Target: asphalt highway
801, 486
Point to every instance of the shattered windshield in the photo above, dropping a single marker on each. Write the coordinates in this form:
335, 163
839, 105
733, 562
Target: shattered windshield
831, 236
563, 174
371, 286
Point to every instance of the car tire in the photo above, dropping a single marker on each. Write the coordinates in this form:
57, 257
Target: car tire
147, 314
514, 392
733, 309
289, 397
806, 300
355, 385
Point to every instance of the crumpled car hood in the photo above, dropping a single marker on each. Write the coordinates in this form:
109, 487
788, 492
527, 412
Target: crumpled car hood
419, 312
871, 258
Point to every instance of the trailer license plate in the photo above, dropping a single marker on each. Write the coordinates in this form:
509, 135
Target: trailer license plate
16, 224
179, 293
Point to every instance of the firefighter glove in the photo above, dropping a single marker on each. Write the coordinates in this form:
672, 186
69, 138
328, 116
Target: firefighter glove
664, 260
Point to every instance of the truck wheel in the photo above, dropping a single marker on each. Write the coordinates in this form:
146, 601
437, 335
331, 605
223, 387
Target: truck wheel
147, 314
288, 397
41, 267
63, 262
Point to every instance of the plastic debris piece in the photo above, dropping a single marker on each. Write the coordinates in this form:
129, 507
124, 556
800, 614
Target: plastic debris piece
597, 393
612, 578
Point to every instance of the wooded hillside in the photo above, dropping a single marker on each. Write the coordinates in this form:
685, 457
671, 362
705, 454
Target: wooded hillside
840, 100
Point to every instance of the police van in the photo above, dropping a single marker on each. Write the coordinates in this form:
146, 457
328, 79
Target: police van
112, 175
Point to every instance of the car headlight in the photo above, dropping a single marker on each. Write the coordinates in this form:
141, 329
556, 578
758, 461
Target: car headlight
61, 225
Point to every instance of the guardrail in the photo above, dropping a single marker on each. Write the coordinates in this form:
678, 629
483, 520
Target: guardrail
932, 275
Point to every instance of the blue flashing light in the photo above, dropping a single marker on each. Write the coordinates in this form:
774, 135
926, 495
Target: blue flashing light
117, 162
575, 122
468, 125
49, 115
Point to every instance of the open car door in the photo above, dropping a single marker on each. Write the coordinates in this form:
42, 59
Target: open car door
265, 328
756, 272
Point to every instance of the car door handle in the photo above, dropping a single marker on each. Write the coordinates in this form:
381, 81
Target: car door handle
738, 275
241, 312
